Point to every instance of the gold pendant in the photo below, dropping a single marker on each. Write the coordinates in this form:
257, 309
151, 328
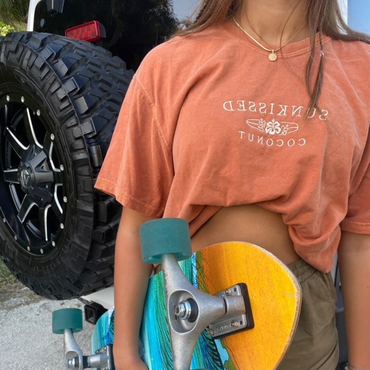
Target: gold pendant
272, 56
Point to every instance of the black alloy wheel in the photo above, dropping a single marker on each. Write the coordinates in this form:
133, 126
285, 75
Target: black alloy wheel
32, 175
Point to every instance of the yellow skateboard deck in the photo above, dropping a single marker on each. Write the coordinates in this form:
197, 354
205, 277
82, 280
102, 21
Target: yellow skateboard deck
275, 299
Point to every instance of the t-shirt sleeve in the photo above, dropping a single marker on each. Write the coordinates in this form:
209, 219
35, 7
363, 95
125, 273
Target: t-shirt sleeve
138, 168
358, 216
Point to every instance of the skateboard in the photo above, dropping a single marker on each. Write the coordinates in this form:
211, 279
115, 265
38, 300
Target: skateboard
261, 295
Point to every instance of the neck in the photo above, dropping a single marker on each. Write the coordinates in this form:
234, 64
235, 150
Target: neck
274, 22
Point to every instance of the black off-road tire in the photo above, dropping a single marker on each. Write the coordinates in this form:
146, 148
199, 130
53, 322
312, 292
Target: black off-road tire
59, 101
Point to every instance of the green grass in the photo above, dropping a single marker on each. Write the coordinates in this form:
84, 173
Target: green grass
6, 276
10, 287
12, 292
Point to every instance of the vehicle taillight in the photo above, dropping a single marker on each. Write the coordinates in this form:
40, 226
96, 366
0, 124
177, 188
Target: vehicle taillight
90, 31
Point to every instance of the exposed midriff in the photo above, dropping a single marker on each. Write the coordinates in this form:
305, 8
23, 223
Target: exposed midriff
248, 223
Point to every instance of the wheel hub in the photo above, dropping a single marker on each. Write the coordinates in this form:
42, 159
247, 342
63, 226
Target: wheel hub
35, 177
26, 177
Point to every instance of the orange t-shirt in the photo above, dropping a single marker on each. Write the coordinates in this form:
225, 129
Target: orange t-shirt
210, 122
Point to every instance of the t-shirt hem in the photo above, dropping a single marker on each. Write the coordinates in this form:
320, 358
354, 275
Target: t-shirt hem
127, 200
355, 227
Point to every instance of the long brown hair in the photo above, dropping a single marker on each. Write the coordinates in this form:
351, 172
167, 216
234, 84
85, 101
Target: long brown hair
322, 16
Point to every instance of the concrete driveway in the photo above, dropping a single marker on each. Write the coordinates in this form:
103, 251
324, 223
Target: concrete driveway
26, 340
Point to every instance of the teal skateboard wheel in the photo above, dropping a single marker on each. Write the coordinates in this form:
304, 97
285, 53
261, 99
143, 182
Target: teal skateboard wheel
165, 236
67, 318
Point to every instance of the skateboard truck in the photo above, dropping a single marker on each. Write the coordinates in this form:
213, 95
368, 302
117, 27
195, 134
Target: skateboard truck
227, 324
68, 321
189, 310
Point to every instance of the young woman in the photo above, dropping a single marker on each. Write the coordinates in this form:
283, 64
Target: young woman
253, 125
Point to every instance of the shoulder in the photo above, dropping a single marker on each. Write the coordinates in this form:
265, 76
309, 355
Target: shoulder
191, 43
350, 53
181, 55
348, 62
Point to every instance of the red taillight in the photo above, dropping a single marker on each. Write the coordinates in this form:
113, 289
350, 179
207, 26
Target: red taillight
90, 31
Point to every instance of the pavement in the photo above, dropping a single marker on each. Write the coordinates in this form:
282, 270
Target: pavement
26, 340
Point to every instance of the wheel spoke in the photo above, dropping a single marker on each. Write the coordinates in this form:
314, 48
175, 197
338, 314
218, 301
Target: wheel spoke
30, 132
38, 159
48, 144
43, 194
57, 172
57, 209
43, 221
5, 114
20, 230
58, 177
25, 208
11, 176
15, 143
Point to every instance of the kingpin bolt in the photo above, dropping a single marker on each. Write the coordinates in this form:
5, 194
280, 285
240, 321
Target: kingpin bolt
72, 363
183, 310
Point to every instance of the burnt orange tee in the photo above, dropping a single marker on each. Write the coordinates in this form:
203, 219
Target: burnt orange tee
210, 122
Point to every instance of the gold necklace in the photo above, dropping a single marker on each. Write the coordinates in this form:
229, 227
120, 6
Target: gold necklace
272, 56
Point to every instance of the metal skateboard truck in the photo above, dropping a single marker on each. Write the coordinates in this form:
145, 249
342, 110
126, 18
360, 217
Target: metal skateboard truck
68, 321
190, 311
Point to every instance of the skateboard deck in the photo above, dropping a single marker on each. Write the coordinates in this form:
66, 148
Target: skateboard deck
275, 300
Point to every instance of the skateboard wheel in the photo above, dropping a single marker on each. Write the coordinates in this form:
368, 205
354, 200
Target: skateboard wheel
165, 236
67, 318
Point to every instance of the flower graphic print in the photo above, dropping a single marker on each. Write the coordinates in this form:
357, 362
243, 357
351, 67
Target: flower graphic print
273, 127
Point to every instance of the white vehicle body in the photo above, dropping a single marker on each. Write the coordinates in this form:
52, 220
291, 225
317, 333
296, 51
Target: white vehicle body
31, 14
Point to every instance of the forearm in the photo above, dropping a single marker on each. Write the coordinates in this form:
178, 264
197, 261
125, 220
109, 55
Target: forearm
130, 286
354, 260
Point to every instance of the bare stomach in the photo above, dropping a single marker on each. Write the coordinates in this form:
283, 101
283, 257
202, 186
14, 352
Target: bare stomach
248, 223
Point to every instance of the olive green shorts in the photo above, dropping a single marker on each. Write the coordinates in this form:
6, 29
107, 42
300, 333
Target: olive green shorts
315, 343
